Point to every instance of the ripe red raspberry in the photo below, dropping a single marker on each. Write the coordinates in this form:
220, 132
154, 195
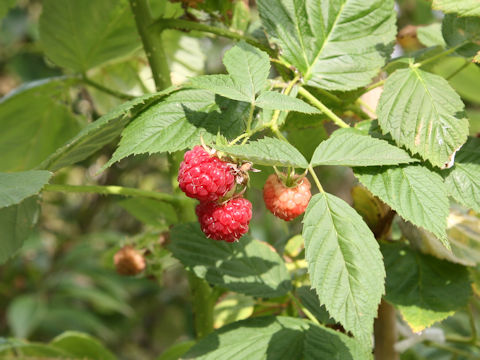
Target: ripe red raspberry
203, 176
286, 202
228, 221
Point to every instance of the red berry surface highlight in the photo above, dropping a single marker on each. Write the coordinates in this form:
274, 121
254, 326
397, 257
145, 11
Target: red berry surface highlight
286, 202
203, 176
228, 221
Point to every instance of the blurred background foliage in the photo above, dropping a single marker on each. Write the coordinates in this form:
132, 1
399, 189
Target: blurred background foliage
64, 278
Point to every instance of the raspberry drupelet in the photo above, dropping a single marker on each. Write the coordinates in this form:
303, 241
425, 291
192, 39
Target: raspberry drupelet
203, 176
286, 202
228, 221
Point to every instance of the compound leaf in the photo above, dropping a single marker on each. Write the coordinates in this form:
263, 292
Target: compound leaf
267, 151
16, 223
177, 123
423, 113
460, 7
80, 35
335, 44
414, 192
15, 187
248, 266
463, 180
344, 263
350, 147
425, 289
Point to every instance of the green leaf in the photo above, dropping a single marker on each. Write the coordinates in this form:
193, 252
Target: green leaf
15, 187
16, 223
309, 299
431, 35
278, 337
349, 147
99, 133
344, 263
463, 235
463, 180
249, 68
24, 313
248, 266
178, 122
425, 289
414, 192
423, 113
324, 343
219, 84
176, 351
465, 82
335, 44
273, 100
231, 308
14, 346
151, 212
82, 346
30, 133
460, 7
81, 35
186, 53
267, 151
258, 338
462, 30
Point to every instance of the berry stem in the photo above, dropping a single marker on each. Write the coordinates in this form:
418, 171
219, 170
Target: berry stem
114, 190
303, 308
315, 178
319, 105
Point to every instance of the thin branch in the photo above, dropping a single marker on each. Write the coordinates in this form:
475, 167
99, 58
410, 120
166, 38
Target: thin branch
152, 44
179, 24
114, 190
319, 105
303, 309
106, 90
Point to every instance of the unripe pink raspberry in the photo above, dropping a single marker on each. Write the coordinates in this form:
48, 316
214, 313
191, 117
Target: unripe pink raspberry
203, 176
228, 221
286, 202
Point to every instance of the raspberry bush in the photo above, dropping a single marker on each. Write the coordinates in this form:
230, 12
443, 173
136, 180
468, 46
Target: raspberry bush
309, 170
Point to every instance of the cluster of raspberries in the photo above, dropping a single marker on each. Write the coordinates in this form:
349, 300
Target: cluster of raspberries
224, 214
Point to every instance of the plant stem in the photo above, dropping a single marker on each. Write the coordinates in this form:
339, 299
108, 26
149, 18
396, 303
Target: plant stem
315, 178
250, 118
451, 349
179, 24
114, 190
152, 44
456, 72
106, 90
361, 103
303, 309
385, 332
204, 299
374, 86
439, 55
319, 105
